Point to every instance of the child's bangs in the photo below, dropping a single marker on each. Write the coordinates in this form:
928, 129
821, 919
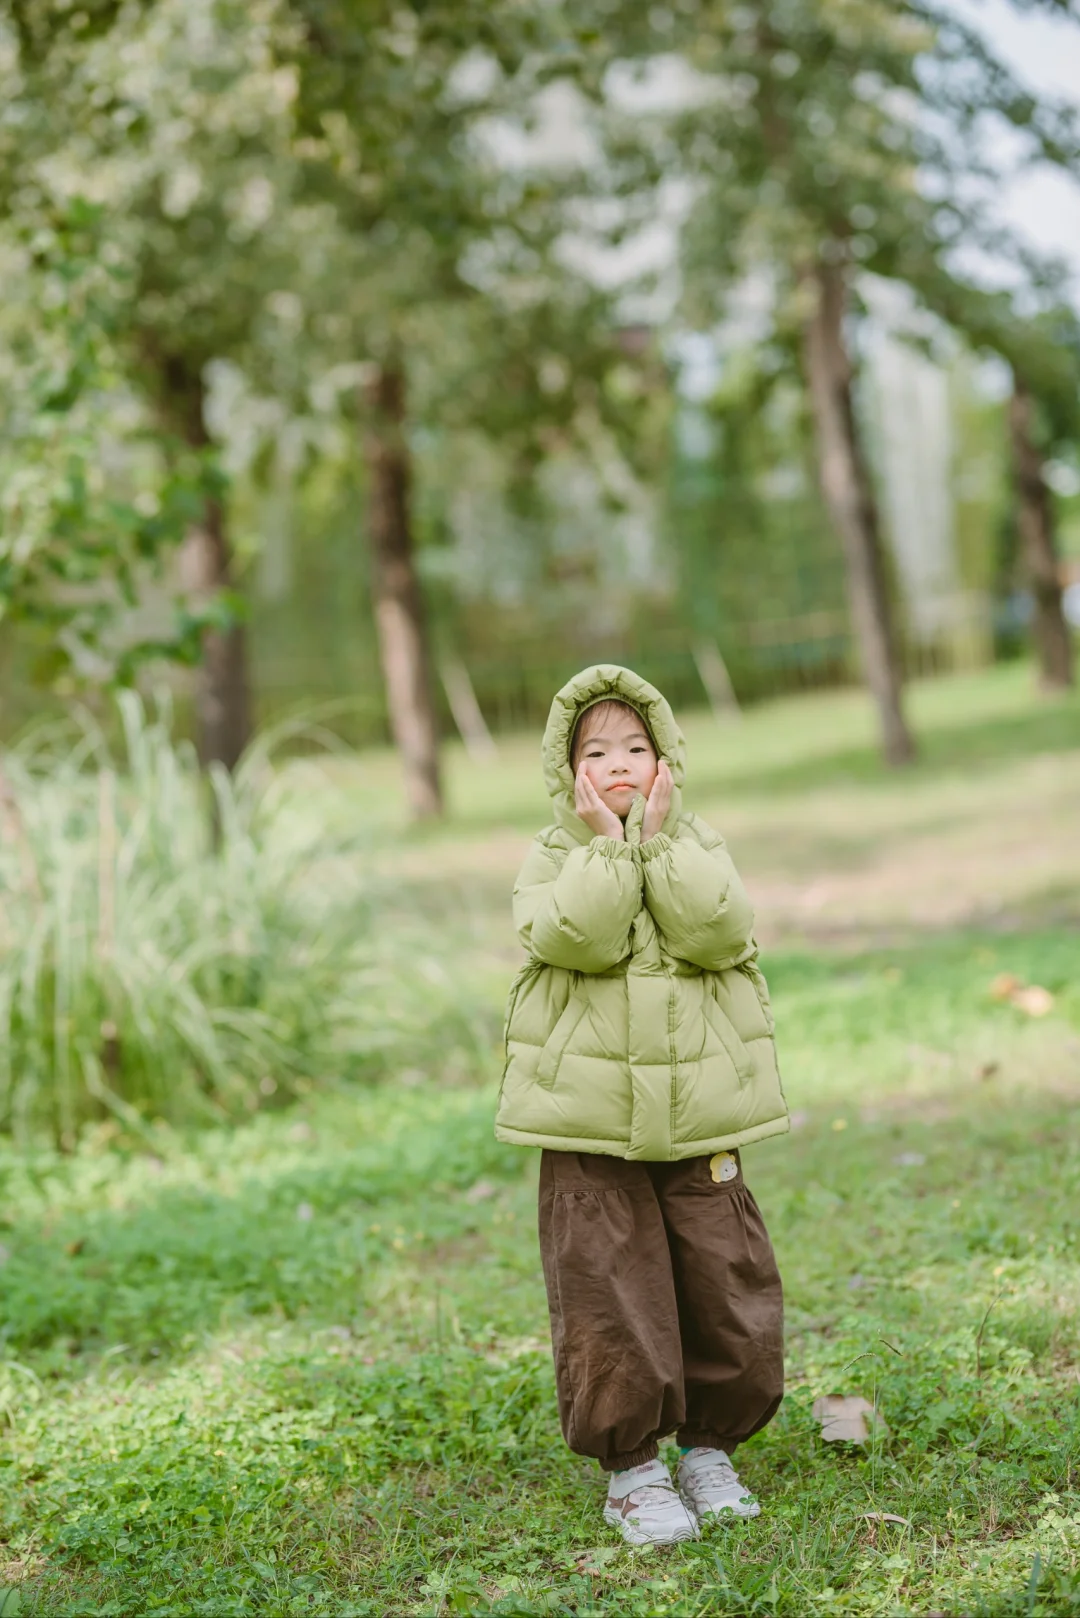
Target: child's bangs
591, 719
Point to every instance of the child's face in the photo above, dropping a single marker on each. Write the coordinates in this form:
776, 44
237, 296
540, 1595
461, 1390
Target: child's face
619, 759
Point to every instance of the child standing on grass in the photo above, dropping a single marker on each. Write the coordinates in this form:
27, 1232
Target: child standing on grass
640, 1058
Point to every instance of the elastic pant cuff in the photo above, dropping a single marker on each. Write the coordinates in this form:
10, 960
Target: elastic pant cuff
633, 1457
695, 1438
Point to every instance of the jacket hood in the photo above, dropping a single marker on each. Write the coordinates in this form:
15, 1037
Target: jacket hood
606, 682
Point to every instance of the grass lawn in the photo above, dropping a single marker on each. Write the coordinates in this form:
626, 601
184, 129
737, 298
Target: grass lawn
302, 1366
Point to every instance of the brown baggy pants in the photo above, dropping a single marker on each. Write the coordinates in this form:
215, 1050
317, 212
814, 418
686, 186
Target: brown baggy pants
665, 1301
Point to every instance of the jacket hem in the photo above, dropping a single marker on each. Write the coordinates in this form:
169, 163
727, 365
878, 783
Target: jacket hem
608, 1148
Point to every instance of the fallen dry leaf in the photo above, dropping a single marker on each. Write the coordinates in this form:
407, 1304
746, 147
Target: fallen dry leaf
594, 1563
1035, 1000
847, 1418
1029, 997
885, 1516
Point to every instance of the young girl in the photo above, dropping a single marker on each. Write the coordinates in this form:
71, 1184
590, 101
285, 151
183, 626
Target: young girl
640, 1058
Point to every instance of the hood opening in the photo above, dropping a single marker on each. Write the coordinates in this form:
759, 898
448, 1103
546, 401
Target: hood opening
605, 682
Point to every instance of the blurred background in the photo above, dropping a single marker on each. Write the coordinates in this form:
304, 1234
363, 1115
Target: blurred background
368, 368
737, 344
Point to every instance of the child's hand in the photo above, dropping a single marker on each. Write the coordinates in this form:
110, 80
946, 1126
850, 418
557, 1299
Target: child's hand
601, 820
658, 804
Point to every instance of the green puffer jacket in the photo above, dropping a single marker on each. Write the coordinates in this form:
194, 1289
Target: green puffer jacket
640, 1025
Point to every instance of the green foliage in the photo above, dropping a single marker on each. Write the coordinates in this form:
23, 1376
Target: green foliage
296, 193
151, 222
152, 971
852, 130
851, 135
82, 529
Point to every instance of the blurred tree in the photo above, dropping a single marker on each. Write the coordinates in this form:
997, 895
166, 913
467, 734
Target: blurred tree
820, 137
78, 529
320, 196
175, 122
448, 299
399, 609
1041, 346
76, 536
1033, 326
1035, 520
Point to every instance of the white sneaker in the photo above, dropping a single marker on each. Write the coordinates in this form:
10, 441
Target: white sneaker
710, 1485
644, 1505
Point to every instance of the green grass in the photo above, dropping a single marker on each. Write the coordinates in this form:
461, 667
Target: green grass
301, 1365
150, 970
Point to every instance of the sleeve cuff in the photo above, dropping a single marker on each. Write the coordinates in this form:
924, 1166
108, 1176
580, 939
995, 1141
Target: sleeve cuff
658, 844
613, 847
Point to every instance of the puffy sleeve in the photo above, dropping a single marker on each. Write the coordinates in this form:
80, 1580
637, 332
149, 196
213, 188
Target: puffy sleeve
696, 898
575, 910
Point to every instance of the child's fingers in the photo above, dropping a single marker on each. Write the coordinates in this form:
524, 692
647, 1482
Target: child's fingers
581, 788
586, 798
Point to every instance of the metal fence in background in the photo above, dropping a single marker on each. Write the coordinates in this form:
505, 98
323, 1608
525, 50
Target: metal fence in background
513, 684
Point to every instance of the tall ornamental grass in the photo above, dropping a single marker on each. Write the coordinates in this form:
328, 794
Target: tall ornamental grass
184, 949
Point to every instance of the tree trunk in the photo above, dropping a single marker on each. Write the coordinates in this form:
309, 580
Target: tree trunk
222, 692
845, 484
222, 697
399, 607
1035, 520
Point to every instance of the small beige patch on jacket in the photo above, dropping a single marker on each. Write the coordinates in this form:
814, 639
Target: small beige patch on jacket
723, 1167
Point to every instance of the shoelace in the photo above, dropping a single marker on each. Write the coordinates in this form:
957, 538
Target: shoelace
658, 1494
716, 1474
